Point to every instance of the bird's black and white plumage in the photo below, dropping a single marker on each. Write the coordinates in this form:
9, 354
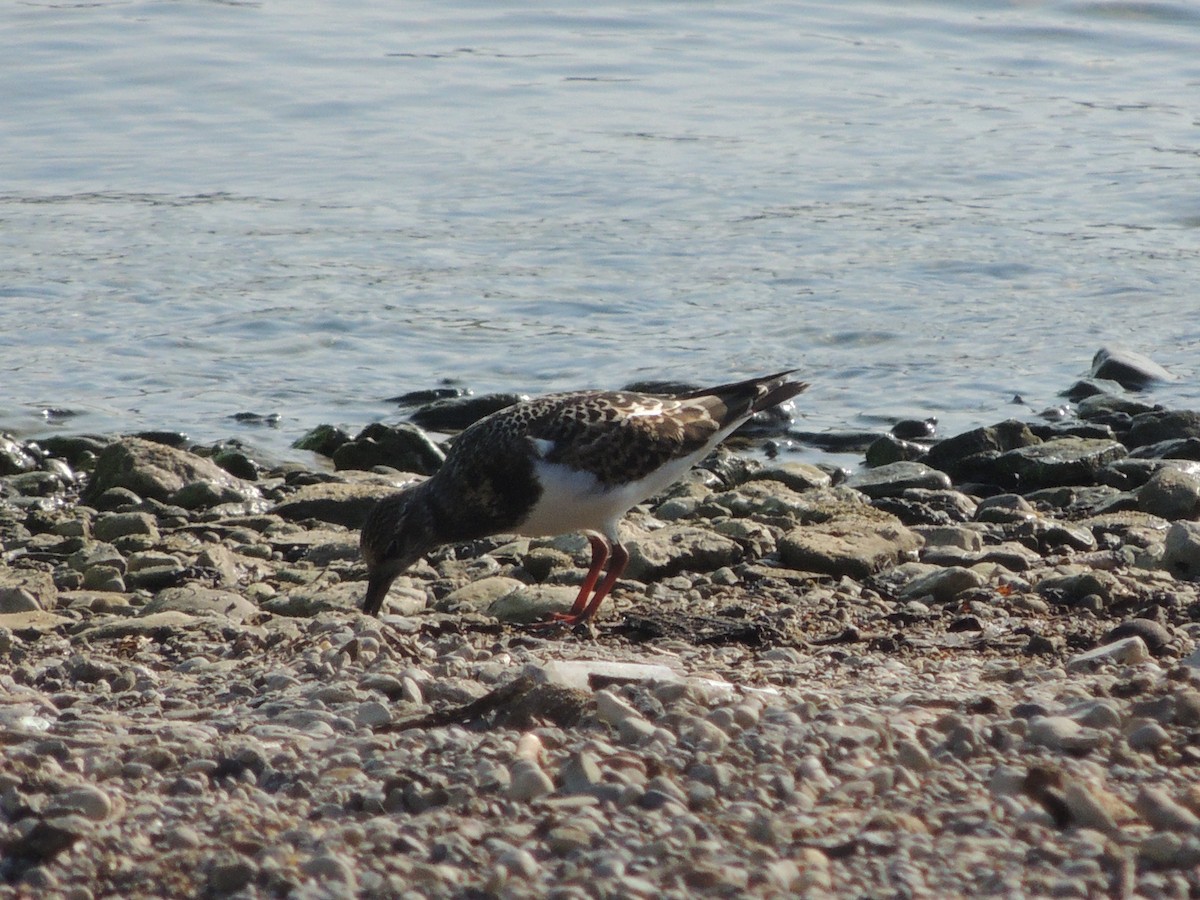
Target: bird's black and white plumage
556, 464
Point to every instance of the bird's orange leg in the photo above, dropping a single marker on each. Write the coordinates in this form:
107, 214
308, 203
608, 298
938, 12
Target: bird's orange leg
599, 558
620, 559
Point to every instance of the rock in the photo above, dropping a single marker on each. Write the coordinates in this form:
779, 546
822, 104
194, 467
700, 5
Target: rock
1125, 652
1128, 368
1065, 461
372, 714
1064, 735
895, 478
478, 595
1177, 449
153, 626
796, 475
1181, 549
103, 578
532, 603
34, 620
891, 449
630, 724
228, 872
1148, 737
1004, 508
580, 774
1091, 806
1071, 589
222, 561
403, 447
969, 456
145, 577
1170, 494
1163, 813
917, 506
156, 471
456, 413
853, 546
943, 584
47, 837
1105, 406
958, 536
837, 441
199, 601
422, 396
14, 459
76, 449
1156, 637
324, 439
916, 429
111, 526
86, 800
1187, 713
678, 548
26, 590
528, 781
541, 562
1162, 425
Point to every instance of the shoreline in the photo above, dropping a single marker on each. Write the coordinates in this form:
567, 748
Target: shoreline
972, 668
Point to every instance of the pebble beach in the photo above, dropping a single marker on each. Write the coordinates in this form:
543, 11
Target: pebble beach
965, 665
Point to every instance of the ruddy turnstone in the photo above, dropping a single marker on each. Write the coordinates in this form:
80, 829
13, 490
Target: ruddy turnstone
555, 464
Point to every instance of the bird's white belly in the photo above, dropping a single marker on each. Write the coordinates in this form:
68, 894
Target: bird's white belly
574, 500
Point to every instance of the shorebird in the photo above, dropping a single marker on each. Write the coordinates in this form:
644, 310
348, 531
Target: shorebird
557, 464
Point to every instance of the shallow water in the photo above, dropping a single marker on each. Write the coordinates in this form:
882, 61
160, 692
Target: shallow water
301, 209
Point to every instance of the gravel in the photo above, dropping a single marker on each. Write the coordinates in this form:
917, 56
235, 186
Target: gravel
935, 688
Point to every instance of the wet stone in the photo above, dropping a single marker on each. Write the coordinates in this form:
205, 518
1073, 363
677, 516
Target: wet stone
323, 439
457, 413
891, 449
796, 475
970, 456
403, 447
895, 478
1065, 461
1005, 508
1162, 425
1128, 368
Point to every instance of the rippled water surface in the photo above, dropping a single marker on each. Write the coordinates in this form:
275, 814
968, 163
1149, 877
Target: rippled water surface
301, 209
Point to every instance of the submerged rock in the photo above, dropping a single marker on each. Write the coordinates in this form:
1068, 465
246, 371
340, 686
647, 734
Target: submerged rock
1129, 368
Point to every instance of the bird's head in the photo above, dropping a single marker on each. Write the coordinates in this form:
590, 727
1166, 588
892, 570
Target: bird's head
397, 533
